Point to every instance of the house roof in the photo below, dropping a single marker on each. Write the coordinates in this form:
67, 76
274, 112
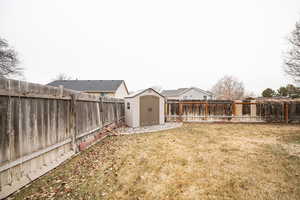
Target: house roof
180, 91
132, 95
170, 93
89, 85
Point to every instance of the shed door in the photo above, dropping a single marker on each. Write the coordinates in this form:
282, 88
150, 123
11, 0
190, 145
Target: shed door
149, 110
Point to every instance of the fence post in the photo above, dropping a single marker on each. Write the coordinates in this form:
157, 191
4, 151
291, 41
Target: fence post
253, 110
9, 133
98, 113
233, 109
286, 112
206, 110
101, 111
61, 91
180, 111
169, 111
116, 113
166, 110
73, 128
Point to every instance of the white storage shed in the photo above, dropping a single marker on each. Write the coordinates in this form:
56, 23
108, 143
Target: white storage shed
144, 108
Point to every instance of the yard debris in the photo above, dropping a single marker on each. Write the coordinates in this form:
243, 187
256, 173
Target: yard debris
111, 132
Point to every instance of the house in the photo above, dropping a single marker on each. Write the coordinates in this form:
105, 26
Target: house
111, 88
145, 107
191, 93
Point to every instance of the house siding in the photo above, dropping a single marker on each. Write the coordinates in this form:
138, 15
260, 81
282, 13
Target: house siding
107, 94
194, 94
121, 92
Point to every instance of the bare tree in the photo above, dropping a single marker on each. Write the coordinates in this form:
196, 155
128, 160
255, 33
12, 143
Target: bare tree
250, 94
8, 61
292, 59
62, 76
228, 88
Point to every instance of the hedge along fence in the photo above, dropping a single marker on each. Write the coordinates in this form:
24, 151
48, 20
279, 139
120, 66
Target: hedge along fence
234, 111
42, 126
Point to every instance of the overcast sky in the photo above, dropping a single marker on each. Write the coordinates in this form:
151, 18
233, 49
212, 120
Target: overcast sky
169, 43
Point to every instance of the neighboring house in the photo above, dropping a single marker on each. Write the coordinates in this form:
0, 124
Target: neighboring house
111, 88
191, 93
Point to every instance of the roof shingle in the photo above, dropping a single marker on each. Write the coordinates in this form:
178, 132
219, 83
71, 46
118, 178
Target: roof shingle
173, 93
89, 85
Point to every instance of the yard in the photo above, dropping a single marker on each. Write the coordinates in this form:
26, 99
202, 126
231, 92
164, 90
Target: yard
196, 161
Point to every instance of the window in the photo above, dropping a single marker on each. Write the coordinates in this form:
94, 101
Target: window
205, 97
128, 105
102, 94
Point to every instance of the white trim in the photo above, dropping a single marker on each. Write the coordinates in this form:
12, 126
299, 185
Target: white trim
139, 92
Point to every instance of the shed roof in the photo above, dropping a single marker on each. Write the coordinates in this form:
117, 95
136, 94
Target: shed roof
134, 94
89, 85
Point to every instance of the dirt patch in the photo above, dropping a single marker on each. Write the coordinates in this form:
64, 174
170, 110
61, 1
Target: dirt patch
195, 161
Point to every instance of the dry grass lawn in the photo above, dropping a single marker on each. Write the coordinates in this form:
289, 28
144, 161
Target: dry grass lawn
196, 161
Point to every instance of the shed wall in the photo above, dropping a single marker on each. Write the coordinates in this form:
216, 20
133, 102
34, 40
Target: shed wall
129, 113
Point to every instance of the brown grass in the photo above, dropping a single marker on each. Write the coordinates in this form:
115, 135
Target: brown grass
197, 161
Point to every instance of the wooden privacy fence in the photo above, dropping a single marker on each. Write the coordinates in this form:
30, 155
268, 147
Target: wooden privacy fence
42, 126
234, 111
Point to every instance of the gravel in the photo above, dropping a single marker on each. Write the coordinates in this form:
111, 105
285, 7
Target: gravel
147, 129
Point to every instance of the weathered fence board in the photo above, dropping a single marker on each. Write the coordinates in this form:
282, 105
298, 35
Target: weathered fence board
42, 126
